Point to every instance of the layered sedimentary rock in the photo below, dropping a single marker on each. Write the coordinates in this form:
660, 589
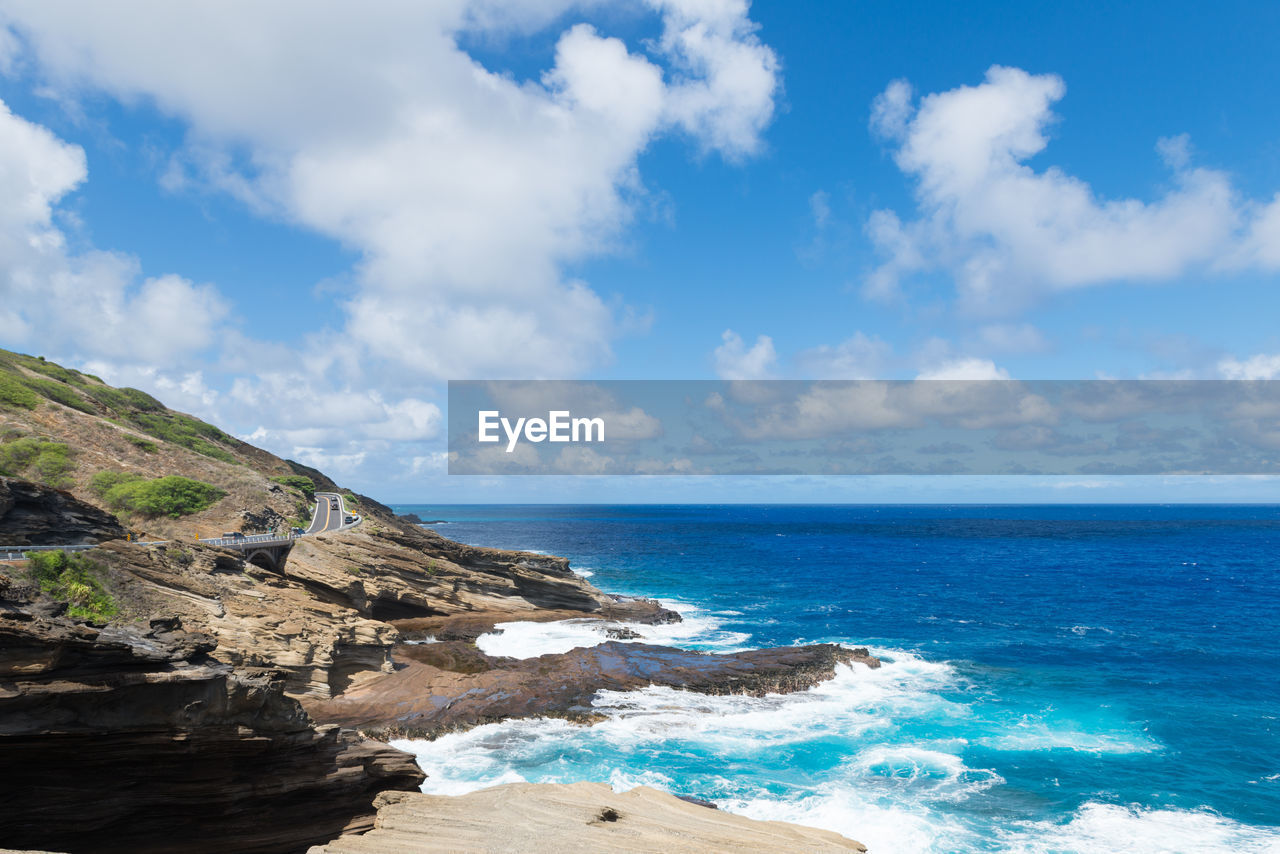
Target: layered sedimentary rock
555, 818
130, 739
34, 515
403, 572
450, 685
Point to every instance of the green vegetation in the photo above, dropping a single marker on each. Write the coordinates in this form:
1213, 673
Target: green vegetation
146, 445
38, 460
351, 499
179, 555
58, 392
126, 406
57, 372
303, 484
165, 496
125, 400
185, 431
15, 394
75, 579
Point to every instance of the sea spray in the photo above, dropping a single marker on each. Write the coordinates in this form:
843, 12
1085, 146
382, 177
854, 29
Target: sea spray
1056, 679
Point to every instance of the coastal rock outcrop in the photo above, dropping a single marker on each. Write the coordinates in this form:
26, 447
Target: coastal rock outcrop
400, 572
451, 685
132, 739
552, 818
32, 514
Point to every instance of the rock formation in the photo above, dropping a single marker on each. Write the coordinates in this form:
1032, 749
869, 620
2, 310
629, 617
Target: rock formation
36, 515
125, 739
551, 818
452, 685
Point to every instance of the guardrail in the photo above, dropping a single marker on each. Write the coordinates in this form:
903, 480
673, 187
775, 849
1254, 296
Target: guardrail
19, 552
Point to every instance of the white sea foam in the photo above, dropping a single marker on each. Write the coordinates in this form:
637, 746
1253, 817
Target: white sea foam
698, 629
903, 772
1098, 827
1040, 734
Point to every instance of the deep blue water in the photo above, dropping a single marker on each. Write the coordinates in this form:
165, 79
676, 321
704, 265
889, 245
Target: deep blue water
1058, 678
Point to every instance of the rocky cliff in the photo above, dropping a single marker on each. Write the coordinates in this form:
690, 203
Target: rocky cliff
32, 514
152, 696
125, 739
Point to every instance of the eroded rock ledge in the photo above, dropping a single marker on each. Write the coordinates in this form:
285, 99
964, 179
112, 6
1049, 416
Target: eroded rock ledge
546, 818
451, 685
127, 739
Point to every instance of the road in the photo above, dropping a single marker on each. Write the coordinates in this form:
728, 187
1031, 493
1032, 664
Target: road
326, 518
330, 511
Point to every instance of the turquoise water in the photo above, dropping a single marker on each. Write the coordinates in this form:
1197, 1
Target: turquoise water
1056, 678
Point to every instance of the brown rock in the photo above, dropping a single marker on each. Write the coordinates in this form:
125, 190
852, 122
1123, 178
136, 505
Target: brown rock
547, 818
451, 685
119, 740
36, 515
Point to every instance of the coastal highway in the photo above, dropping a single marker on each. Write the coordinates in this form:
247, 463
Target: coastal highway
330, 511
327, 518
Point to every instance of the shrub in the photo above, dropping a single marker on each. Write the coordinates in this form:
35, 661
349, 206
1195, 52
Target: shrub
75, 579
125, 400
172, 496
14, 393
304, 484
179, 555
37, 459
185, 431
104, 481
145, 444
59, 393
49, 369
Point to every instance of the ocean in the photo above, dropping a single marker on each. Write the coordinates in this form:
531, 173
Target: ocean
1055, 679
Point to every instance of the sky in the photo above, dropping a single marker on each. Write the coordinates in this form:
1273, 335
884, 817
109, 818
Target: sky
299, 220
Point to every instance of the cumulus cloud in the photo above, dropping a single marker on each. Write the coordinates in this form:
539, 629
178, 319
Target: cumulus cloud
1005, 231
465, 190
969, 368
734, 360
59, 300
724, 95
1262, 366
858, 357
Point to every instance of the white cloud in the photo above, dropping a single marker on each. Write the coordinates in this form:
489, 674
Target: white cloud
969, 368
96, 303
1005, 231
1261, 246
858, 357
735, 361
464, 190
725, 96
1262, 366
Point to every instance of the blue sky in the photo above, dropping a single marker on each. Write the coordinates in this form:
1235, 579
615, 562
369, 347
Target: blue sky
300, 222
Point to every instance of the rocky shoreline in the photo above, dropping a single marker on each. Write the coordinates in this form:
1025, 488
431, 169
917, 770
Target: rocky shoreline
247, 709
451, 685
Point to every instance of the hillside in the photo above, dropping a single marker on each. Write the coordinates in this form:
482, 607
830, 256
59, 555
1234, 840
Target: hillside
159, 690
136, 675
61, 428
